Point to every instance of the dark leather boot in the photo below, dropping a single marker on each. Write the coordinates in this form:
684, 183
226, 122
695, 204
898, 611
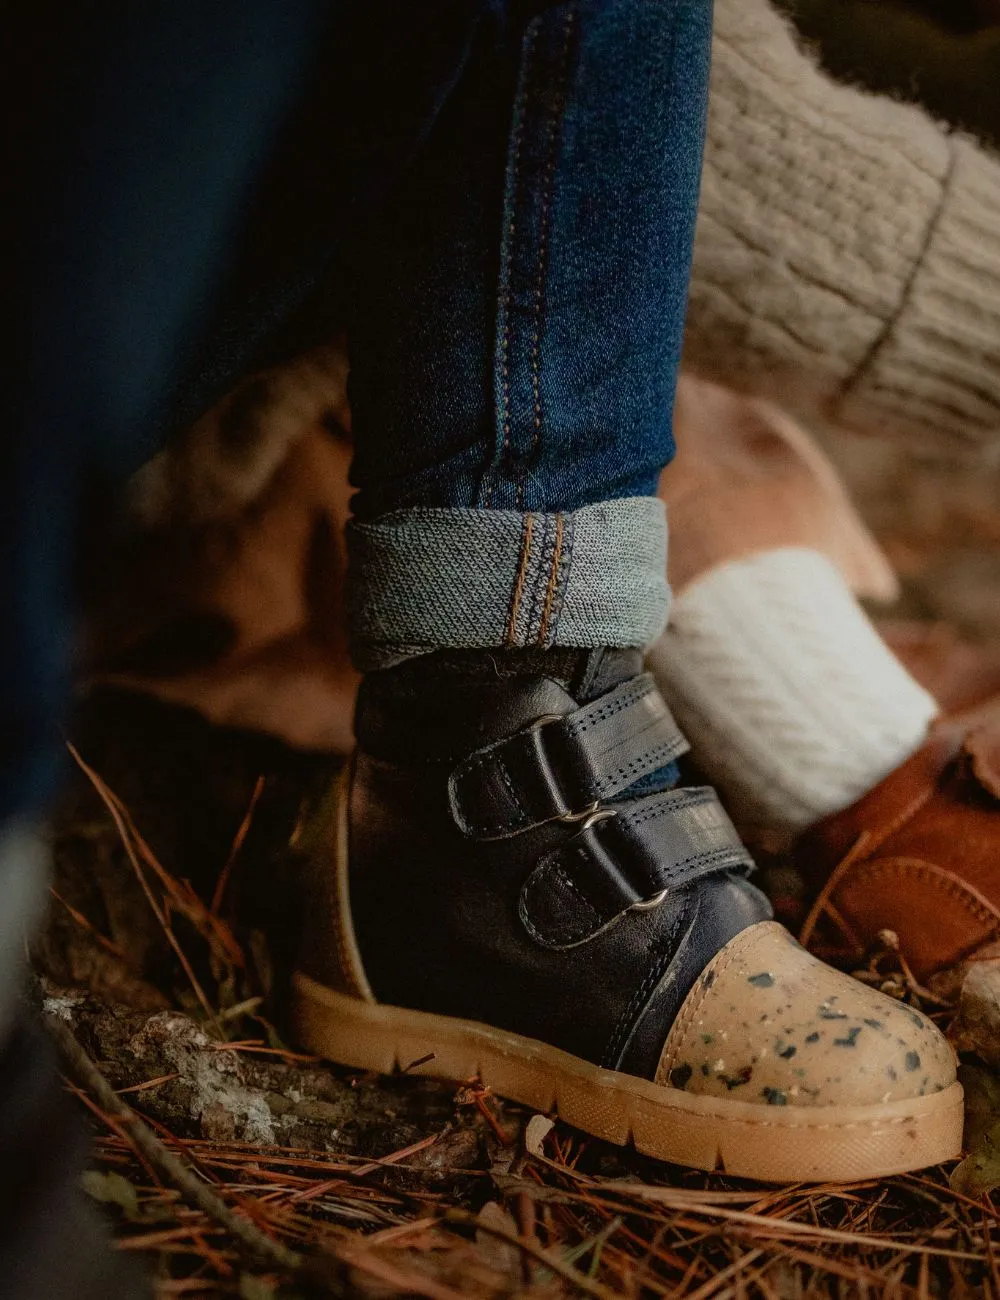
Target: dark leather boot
513, 893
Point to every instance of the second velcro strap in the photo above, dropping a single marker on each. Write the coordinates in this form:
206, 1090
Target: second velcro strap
629, 856
561, 766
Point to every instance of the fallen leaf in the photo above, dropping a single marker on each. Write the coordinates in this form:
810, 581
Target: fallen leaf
539, 1127
501, 1256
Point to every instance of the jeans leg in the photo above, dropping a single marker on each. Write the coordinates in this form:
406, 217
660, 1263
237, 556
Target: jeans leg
516, 333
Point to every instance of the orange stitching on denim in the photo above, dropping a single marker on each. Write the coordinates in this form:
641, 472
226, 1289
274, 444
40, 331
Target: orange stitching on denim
543, 239
522, 576
550, 593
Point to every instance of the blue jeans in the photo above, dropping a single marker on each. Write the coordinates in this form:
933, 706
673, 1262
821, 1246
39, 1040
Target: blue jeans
529, 281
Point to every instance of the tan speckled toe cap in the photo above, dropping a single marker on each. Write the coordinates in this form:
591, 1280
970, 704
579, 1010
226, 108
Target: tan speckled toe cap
768, 1022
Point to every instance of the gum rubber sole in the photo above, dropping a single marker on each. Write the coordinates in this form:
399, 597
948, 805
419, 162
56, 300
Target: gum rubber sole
770, 1143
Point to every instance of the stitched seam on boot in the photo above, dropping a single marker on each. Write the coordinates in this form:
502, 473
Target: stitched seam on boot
535, 881
472, 764
638, 1000
653, 759
608, 710
676, 1039
672, 805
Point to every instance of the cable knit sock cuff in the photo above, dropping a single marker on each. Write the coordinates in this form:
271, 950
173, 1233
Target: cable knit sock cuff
792, 702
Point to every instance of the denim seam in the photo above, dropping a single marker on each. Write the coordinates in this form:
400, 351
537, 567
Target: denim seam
512, 189
548, 185
522, 573
550, 592
539, 581
562, 578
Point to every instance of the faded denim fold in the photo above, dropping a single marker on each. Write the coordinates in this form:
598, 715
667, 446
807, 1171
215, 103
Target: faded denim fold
465, 578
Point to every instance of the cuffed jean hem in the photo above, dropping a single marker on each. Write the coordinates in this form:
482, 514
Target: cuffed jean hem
422, 580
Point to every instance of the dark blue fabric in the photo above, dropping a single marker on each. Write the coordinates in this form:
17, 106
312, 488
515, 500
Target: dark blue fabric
132, 135
505, 195
516, 326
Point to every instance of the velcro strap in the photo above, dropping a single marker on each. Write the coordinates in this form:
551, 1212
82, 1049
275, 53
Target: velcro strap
562, 766
627, 856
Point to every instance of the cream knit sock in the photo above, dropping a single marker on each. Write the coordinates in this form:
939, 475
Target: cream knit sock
793, 704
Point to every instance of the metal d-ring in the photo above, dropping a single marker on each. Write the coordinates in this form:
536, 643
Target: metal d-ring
585, 814
593, 815
602, 814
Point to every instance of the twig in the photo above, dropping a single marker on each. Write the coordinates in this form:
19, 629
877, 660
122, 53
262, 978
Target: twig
237, 845
85, 924
262, 1246
110, 801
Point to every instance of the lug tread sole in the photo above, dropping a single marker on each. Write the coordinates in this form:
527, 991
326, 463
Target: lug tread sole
744, 1139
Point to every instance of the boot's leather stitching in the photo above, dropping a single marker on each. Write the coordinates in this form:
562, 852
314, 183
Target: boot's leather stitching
660, 755
674, 801
535, 882
678, 801
521, 578
664, 955
622, 699
676, 1035
462, 777
508, 781
644, 753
